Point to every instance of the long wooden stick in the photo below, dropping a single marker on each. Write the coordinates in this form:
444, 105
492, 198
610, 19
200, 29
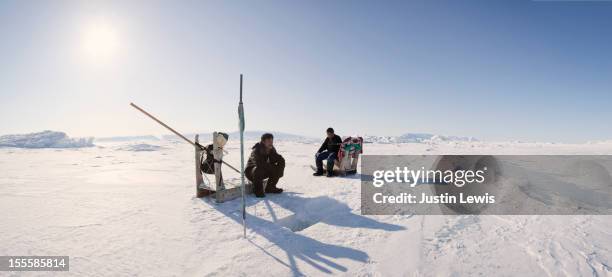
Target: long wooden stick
175, 132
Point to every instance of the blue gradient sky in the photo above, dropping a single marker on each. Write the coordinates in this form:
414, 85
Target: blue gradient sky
496, 70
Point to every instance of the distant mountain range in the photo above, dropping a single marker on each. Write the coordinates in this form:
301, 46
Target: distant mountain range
255, 135
405, 138
414, 138
248, 135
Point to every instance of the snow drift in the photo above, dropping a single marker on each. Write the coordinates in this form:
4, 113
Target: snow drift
127, 138
140, 147
45, 139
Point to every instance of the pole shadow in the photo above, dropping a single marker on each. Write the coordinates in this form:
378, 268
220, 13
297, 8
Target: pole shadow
285, 232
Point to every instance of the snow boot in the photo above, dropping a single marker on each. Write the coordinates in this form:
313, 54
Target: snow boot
258, 189
318, 173
330, 169
274, 190
259, 194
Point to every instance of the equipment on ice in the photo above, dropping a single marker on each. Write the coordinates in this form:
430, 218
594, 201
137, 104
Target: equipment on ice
348, 157
221, 191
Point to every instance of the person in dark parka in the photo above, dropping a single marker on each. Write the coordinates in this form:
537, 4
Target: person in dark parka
328, 151
265, 163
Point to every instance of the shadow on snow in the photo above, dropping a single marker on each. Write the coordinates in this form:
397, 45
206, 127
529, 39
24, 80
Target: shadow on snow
284, 232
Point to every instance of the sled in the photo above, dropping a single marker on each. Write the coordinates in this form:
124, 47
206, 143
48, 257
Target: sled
221, 190
348, 157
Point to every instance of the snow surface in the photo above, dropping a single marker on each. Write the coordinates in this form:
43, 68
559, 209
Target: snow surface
45, 139
133, 213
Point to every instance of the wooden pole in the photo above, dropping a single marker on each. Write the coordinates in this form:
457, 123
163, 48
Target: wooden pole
175, 132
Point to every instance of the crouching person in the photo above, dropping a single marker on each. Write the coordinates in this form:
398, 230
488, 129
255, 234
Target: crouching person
265, 163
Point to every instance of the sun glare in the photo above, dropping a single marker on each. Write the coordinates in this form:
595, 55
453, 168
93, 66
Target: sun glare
99, 42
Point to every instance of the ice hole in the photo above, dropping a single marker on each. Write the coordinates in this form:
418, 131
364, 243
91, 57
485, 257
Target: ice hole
296, 223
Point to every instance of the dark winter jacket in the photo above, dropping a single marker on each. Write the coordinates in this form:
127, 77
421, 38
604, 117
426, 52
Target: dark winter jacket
331, 145
262, 159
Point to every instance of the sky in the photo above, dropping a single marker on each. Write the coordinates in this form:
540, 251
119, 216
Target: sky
495, 70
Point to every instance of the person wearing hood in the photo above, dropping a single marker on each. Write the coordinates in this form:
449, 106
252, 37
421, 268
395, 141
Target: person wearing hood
265, 163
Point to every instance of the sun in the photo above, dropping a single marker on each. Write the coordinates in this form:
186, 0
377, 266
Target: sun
99, 41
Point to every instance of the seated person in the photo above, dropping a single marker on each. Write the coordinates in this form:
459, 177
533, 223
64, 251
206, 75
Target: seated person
328, 151
263, 163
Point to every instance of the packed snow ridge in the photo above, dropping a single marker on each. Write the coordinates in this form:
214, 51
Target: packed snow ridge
127, 138
44, 139
141, 147
415, 138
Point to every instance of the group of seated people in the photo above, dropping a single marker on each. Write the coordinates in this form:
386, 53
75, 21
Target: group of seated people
265, 162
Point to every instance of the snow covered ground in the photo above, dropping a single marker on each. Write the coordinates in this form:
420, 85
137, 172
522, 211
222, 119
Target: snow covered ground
125, 208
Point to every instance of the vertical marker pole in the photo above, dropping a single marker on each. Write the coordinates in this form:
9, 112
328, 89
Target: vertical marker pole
241, 126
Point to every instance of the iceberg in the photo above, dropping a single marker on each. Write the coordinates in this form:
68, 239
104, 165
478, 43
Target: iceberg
44, 139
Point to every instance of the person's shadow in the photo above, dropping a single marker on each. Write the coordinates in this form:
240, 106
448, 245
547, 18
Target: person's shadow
284, 232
